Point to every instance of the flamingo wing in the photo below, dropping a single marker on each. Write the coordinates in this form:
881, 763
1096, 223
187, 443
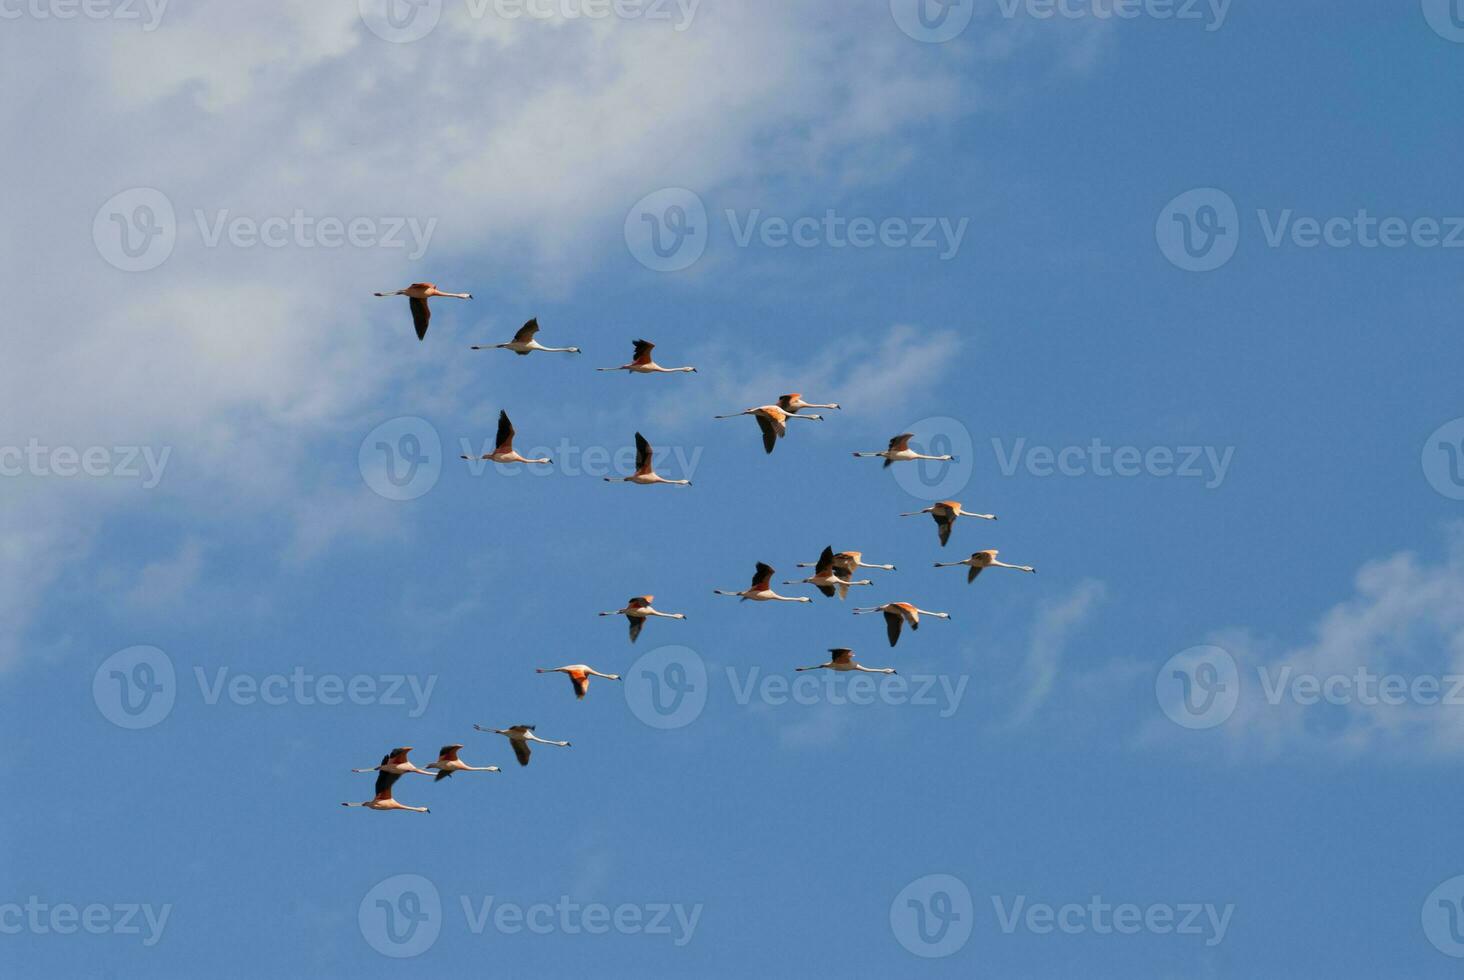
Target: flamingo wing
526, 332
771, 430
637, 623
643, 454
975, 571
643, 350
944, 521
762, 579
521, 750
505, 433
893, 622
421, 315
825, 561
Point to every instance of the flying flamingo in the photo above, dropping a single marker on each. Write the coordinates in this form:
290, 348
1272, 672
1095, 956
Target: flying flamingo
896, 614
980, 560
637, 610
900, 451
519, 736
417, 294
826, 578
846, 563
773, 422
794, 403
579, 675
523, 342
642, 363
504, 452
448, 763
396, 762
844, 660
644, 474
761, 589
945, 513
383, 799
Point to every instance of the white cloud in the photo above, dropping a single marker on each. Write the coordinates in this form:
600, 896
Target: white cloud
1405, 618
1056, 621
527, 141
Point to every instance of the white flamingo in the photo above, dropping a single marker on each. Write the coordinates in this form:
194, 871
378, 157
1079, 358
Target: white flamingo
844, 660
503, 451
642, 363
396, 762
448, 763
773, 422
945, 513
645, 473
519, 736
980, 560
794, 403
826, 577
900, 451
383, 799
523, 342
637, 610
761, 589
579, 676
846, 563
417, 295
896, 614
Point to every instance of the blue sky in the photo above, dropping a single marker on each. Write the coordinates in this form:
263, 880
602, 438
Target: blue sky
1044, 766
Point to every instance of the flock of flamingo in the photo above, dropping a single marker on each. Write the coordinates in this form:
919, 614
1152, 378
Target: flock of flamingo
833, 573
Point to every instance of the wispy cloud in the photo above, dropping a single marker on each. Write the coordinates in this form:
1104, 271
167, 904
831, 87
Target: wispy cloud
1056, 621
